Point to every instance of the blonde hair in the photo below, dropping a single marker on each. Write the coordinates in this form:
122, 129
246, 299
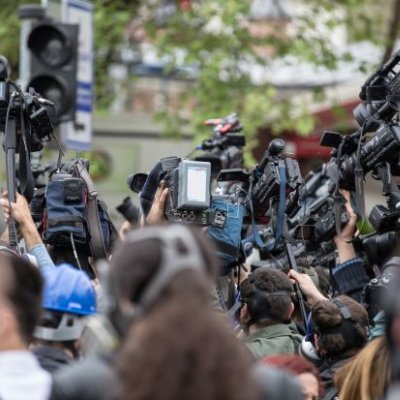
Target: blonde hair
367, 375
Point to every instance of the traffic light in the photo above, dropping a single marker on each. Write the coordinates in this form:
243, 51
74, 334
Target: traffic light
53, 66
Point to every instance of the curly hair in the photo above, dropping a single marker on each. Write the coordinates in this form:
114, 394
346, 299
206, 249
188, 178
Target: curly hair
270, 280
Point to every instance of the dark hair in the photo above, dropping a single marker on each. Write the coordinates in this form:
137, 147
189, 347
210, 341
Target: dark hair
324, 284
134, 265
184, 350
180, 348
24, 293
269, 280
336, 336
295, 365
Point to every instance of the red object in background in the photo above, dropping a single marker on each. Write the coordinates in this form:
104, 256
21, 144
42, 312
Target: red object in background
185, 5
308, 147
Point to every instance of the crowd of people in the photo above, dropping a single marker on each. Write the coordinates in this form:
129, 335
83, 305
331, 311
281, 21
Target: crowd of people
151, 321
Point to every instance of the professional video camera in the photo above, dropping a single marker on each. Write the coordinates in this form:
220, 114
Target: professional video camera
26, 120
189, 184
68, 212
224, 149
29, 115
270, 193
275, 178
355, 156
315, 221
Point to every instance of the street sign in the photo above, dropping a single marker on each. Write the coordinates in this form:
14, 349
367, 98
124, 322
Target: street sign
77, 135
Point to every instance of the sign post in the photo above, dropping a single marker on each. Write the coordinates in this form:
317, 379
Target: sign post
78, 134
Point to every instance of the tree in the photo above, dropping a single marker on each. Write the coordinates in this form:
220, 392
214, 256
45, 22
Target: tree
224, 44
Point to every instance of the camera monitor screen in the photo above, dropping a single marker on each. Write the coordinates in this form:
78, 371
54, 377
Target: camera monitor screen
197, 184
194, 184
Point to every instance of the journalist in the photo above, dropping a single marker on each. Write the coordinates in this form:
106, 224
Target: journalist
267, 296
27, 228
68, 298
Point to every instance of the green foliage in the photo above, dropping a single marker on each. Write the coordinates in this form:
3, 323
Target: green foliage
111, 18
9, 32
217, 37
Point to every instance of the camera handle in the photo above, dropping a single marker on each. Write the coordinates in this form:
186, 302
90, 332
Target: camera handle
389, 186
10, 145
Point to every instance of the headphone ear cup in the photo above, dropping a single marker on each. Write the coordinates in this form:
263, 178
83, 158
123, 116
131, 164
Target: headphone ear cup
308, 350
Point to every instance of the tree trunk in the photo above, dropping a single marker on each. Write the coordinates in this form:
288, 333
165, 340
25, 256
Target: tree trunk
393, 31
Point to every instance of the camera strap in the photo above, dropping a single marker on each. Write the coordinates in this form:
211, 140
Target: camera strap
97, 245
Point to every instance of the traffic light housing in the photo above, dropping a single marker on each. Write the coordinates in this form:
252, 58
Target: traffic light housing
53, 66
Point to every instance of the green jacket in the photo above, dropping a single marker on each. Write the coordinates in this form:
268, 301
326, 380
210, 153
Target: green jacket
274, 339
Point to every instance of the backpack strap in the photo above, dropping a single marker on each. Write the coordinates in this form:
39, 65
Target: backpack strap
330, 394
97, 245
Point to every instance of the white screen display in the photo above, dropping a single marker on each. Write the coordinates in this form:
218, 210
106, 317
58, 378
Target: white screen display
197, 184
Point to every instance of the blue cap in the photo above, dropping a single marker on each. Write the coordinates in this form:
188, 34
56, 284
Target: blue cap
68, 290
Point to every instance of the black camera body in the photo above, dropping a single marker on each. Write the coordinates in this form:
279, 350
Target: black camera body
266, 180
225, 147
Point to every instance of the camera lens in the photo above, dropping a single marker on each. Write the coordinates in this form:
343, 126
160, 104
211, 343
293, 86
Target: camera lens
129, 211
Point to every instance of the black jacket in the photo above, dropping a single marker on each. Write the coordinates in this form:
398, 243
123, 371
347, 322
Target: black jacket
327, 372
51, 359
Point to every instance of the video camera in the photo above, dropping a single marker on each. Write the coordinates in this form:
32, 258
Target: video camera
380, 97
224, 149
30, 115
274, 176
189, 184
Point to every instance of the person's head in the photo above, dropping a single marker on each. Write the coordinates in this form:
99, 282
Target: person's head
306, 373
145, 253
20, 300
341, 327
267, 298
367, 375
68, 297
162, 275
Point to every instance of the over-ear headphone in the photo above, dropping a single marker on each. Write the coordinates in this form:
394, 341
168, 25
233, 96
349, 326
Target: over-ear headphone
307, 346
258, 300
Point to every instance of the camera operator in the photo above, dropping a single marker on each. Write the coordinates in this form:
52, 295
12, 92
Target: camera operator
68, 297
341, 331
22, 215
21, 376
266, 313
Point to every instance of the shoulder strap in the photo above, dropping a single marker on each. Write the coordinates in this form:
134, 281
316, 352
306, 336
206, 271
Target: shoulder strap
330, 394
97, 245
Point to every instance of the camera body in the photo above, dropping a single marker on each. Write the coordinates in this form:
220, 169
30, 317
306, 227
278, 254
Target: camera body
225, 147
189, 184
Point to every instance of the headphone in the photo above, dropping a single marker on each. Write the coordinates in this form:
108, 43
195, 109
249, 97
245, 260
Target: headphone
258, 300
307, 347
173, 262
